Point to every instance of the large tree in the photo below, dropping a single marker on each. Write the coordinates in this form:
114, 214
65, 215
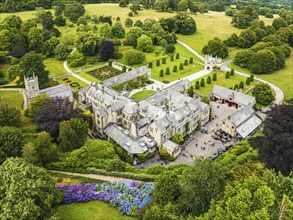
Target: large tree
56, 111
263, 93
11, 143
133, 34
118, 30
37, 103
275, 147
9, 115
216, 48
145, 44
106, 49
263, 61
35, 39
26, 191
185, 24
88, 43
74, 11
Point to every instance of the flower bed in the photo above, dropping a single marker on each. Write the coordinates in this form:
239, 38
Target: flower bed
128, 196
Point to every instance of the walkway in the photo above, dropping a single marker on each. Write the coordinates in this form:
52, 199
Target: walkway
95, 176
20, 90
72, 73
191, 50
279, 93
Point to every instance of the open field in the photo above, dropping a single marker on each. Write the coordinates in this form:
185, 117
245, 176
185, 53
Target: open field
54, 66
187, 70
282, 78
143, 95
89, 77
73, 79
94, 210
222, 81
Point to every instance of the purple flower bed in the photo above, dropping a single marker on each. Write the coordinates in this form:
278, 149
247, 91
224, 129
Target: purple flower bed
128, 196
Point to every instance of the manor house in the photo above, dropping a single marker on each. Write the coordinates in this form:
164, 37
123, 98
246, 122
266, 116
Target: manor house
141, 127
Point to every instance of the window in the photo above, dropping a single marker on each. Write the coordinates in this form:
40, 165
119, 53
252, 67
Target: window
223, 122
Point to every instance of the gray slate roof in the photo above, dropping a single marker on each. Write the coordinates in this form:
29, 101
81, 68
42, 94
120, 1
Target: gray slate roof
239, 97
241, 115
124, 77
248, 126
62, 91
170, 145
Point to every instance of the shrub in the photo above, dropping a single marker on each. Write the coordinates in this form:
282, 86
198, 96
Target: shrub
167, 71
164, 155
123, 154
156, 170
130, 14
161, 73
117, 55
124, 69
185, 62
197, 85
143, 158
110, 63
165, 81
241, 85
232, 72
178, 138
170, 48
181, 66
172, 58
76, 59
251, 78
263, 93
236, 86
191, 60
227, 76
149, 82
177, 56
247, 81
150, 65
214, 76
134, 57
175, 68
158, 63
164, 60
202, 82
209, 80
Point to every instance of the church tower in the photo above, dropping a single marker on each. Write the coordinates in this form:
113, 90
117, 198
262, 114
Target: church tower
31, 86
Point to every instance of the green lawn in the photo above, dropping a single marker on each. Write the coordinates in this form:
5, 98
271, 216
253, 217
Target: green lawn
282, 78
143, 95
73, 79
187, 70
94, 210
54, 66
89, 77
15, 99
222, 81
4, 69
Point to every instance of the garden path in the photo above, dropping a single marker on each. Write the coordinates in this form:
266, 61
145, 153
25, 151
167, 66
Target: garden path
20, 90
94, 176
279, 93
191, 50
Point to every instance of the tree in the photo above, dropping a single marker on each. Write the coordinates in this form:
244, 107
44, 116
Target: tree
177, 56
209, 80
182, 5
62, 51
118, 30
11, 143
241, 85
138, 23
134, 57
88, 43
202, 82
148, 24
31, 196
197, 85
105, 31
74, 11
175, 68
181, 66
274, 147
263, 61
244, 58
167, 71
185, 24
49, 46
128, 22
133, 34
46, 19
278, 23
56, 111
167, 188
106, 49
18, 51
243, 18
161, 5
145, 44
5, 40
177, 138
191, 60
41, 151
232, 71
158, 63
76, 59
247, 82
203, 182
247, 38
12, 21
72, 134
32, 64
236, 87
9, 115
161, 73
190, 91
185, 62
263, 93
214, 76
36, 104
35, 39
170, 48
60, 20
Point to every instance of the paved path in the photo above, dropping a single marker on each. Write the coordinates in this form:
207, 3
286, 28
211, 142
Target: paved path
20, 90
72, 73
191, 50
94, 176
278, 91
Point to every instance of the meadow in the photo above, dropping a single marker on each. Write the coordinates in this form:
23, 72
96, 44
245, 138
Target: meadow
143, 95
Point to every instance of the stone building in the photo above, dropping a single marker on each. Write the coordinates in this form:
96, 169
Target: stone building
32, 89
140, 127
211, 62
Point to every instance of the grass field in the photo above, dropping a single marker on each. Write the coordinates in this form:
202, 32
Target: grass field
4, 69
222, 81
89, 77
94, 210
282, 78
73, 79
143, 95
54, 66
187, 70
15, 99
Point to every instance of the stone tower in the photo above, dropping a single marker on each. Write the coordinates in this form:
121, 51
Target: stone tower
31, 87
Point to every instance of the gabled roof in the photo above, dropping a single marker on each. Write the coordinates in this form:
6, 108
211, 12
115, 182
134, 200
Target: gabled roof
237, 97
170, 146
241, 115
248, 126
62, 91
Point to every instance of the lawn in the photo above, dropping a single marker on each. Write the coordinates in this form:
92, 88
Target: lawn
94, 210
282, 78
54, 66
187, 70
4, 69
73, 79
222, 81
15, 99
143, 95
89, 77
